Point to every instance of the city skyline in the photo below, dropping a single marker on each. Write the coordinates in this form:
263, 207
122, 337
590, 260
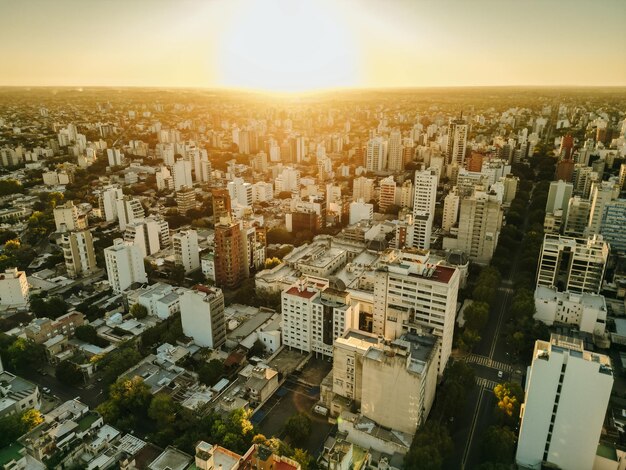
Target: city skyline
309, 46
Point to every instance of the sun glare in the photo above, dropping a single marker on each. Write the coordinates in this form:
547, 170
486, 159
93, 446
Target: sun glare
287, 46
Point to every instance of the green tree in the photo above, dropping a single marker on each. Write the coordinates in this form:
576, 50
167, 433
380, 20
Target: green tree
86, 333
25, 354
68, 373
138, 311
210, 372
498, 445
303, 458
430, 444
298, 428
56, 307
10, 186
476, 315
469, 339
280, 236
258, 349
162, 410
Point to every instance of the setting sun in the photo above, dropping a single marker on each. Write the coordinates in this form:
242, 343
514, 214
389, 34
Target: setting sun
288, 46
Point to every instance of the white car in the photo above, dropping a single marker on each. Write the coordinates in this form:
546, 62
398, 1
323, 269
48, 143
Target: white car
46, 390
500, 374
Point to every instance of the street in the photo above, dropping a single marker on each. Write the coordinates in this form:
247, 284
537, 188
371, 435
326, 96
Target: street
92, 396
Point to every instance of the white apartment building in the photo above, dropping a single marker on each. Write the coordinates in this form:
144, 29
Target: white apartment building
144, 234
129, 210
315, 315
362, 188
567, 393
287, 180
164, 180
115, 156
405, 196
181, 173
67, 214
160, 299
78, 253
360, 211
14, 289
262, 192
587, 311
411, 295
186, 251
558, 197
124, 265
601, 194
450, 211
376, 154
572, 264
425, 196
108, 202
395, 160
480, 221
202, 316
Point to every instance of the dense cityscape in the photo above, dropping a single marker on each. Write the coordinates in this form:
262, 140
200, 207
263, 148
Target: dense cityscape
391, 279
313, 235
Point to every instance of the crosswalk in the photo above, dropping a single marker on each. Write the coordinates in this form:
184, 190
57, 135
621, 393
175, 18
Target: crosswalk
485, 361
486, 383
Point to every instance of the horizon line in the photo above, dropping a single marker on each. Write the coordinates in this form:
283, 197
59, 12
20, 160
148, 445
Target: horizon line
315, 91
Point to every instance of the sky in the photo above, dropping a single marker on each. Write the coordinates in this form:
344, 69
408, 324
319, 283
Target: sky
303, 45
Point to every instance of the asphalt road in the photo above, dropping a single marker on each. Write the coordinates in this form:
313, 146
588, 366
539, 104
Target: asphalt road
490, 358
92, 396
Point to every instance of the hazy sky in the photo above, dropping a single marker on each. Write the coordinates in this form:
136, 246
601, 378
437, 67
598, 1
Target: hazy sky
310, 44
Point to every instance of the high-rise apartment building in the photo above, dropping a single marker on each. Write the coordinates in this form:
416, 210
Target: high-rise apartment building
567, 394
406, 195
376, 154
412, 295
425, 196
186, 251
67, 215
450, 210
577, 219
362, 188
108, 202
231, 260
202, 316
14, 288
115, 156
124, 265
315, 315
457, 141
129, 210
395, 160
185, 200
181, 172
150, 235
612, 227
365, 367
480, 220
601, 194
221, 204
387, 194
78, 253
572, 264
558, 197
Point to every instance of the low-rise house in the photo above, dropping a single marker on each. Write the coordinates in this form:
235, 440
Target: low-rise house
17, 394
